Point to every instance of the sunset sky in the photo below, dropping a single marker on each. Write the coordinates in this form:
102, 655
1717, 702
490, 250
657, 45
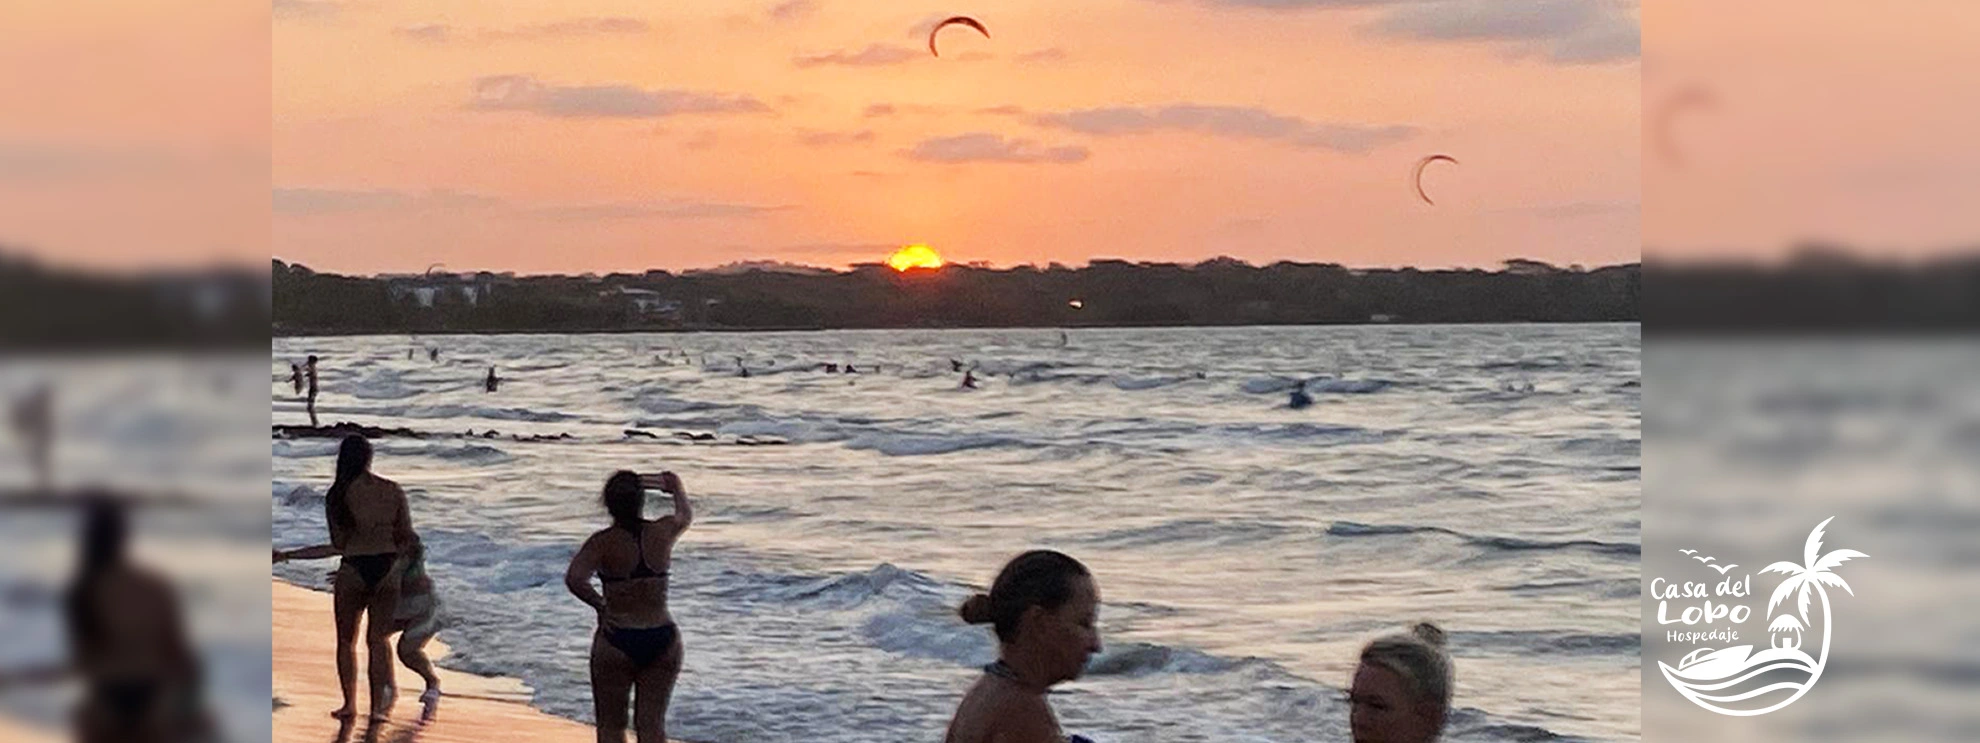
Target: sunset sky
598, 135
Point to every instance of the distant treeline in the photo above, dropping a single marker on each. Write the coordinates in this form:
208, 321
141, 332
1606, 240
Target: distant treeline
55, 309
1104, 293
1818, 291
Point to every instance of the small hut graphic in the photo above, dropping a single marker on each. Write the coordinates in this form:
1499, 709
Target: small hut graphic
1786, 623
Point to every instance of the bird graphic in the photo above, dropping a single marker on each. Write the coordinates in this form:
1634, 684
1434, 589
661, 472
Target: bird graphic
1708, 559
1722, 570
1689, 552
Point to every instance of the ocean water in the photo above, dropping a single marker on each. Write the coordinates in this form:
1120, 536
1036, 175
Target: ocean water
1482, 477
1754, 441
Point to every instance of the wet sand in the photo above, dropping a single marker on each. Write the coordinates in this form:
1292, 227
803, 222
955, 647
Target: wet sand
474, 710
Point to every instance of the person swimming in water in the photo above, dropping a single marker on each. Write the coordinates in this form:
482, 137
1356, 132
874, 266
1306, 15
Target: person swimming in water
492, 381
371, 528
969, 379
636, 651
1401, 691
1044, 607
1300, 400
433, 354
417, 618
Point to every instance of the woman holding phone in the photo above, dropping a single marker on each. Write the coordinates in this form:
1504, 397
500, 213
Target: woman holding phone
636, 652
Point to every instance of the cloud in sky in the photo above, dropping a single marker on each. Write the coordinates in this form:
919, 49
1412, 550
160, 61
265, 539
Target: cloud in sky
1227, 121
310, 201
993, 148
525, 93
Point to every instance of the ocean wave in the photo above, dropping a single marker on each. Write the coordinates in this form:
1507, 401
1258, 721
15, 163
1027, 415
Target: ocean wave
1142, 659
1496, 543
1136, 384
384, 384
912, 445
1317, 385
480, 454
789, 429
1193, 530
1543, 642
305, 448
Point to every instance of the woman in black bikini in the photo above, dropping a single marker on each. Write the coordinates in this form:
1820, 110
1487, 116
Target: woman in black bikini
371, 526
637, 646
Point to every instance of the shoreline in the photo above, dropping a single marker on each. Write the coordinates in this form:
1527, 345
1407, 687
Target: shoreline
474, 709
331, 333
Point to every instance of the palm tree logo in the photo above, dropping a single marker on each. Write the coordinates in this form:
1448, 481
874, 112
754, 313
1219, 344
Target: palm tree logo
1806, 578
1737, 681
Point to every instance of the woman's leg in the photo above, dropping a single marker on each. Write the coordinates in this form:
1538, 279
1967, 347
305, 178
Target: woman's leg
378, 628
349, 602
656, 689
412, 652
611, 689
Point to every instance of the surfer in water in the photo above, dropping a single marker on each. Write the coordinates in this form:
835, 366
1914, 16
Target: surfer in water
636, 652
1401, 692
1300, 400
742, 368
969, 380
433, 354
492, 381
1044, 607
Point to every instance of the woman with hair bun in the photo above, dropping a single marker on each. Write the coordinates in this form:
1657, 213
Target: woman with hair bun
1044, 608
1402, 689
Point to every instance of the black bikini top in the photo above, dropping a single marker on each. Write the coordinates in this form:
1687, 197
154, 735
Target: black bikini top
640, 569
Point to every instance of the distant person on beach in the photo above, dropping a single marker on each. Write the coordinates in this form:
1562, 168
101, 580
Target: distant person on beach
309, 374
371, 528
417, 617
1401, 692
1300, 400
128, 643
296, 378
636, 652
1044, 606
492, 381
34, 425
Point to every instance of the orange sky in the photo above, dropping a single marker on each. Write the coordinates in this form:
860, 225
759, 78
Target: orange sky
136, 132
1848, 123
597, 135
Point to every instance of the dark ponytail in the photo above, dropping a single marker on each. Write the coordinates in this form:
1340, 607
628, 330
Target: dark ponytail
105, 534
1040, 578
353, 460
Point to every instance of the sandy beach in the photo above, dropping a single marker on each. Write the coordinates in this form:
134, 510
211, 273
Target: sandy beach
477, 709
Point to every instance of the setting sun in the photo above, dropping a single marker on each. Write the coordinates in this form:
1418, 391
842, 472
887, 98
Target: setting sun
915, 256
